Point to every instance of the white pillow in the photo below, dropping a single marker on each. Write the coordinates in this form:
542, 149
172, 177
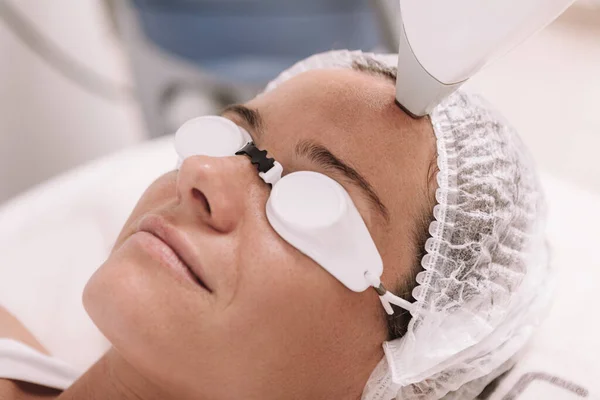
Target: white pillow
563, 360
53, 237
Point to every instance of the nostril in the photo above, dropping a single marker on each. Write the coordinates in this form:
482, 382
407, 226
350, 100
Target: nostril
198, 195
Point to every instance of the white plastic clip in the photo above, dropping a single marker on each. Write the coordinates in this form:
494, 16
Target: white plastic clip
386, 297
273, 175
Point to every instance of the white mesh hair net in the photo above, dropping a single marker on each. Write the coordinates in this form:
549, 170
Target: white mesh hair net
485, 282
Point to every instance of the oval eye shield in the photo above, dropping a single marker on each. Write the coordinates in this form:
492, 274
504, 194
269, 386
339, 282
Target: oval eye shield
309, 210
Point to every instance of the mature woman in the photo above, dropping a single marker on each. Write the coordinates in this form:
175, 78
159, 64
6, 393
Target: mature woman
203, 297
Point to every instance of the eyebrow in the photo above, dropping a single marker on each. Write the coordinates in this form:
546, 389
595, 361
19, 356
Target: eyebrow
248, 115
321, 156
318, 154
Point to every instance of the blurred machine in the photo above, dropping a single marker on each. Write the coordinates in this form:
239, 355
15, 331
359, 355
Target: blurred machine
191, 57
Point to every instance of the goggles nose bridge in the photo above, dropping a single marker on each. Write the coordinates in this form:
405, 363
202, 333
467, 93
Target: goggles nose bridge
268, 169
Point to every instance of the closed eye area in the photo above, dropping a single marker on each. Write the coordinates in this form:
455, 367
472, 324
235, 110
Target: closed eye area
316, 154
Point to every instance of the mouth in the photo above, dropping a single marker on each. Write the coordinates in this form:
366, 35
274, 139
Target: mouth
178, 243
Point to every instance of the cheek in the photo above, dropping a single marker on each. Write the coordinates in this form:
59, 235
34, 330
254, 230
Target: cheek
164, 329
136, 301
300, 322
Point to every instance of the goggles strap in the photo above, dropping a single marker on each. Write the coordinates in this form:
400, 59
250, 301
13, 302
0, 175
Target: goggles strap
387, 298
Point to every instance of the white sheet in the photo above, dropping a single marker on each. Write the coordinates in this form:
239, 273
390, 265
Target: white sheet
22, 363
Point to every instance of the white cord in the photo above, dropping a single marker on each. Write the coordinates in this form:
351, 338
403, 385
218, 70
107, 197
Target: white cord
387, 306
400, 302
386, 297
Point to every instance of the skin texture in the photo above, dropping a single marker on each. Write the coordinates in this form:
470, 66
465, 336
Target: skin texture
275, 324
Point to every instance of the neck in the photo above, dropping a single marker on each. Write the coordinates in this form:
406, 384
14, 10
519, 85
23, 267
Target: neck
113, 378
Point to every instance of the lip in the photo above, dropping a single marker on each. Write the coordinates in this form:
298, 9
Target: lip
178, 242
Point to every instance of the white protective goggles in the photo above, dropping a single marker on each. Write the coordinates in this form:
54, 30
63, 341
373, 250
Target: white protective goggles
309, 210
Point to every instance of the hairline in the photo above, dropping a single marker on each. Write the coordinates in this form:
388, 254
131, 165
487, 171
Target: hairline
397, 323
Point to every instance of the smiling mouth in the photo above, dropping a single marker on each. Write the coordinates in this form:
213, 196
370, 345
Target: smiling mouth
196, 278
191, 272
175, 243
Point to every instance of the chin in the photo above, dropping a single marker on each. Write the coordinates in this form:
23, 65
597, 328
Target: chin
116, 298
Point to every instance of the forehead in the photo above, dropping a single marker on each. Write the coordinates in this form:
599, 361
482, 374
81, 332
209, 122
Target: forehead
344, 107
353, 114
336, 97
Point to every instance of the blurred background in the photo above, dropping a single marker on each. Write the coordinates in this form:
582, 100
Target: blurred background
83, 78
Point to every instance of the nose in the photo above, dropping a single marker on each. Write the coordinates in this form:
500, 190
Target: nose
214, 189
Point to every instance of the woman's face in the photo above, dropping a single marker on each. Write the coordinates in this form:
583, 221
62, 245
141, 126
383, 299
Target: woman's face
268, 322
